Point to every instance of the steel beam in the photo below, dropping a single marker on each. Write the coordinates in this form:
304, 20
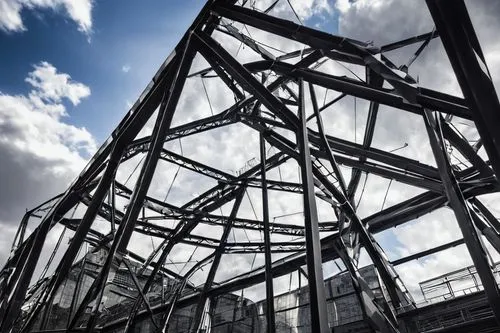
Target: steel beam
197, 318
492, 220
425, 253
270, 320
322, 40
375, 80
458, 204
319, 316
124, 232
467, 59
209, 48
461, 144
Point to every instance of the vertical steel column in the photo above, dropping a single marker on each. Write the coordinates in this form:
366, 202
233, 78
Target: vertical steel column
196, 322
271, 325
124, 232
319, 316
322, 135
460, 208
376, 317
464, 51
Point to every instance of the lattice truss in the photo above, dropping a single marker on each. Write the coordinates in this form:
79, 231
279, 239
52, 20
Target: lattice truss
265, 173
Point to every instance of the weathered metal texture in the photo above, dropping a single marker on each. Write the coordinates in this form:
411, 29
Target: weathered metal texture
259, 105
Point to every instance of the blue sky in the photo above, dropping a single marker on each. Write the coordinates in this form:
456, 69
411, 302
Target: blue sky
69, 71
134, 34
118, 47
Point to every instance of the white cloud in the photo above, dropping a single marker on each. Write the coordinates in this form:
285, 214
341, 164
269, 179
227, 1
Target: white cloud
385, 21
10, 15
125, 68
52, 86
52, 148
40, 153
343, 5
80, 11
305, 9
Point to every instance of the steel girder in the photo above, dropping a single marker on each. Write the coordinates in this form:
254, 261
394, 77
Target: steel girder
260, 90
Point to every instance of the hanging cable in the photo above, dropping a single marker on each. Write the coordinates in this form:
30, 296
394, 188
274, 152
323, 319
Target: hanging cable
176, 173
175, 265
238, 51
419, 51
386, 192
355, 120
180, 147
152, 243
362, 190
271, 7
206, 94
189, 259
253, 262
350, 70
251, 204
254, 213
59, 241
293, 10
133, 171
172, 183
248, 32
286, 215
279, 172
52, 255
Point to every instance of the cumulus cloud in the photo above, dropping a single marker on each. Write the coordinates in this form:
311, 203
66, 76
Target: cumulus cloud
307, 8
51, 86
125, 68
40, 152
80, 11
342, 5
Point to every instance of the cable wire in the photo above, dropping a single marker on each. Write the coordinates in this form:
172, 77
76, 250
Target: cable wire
386, 192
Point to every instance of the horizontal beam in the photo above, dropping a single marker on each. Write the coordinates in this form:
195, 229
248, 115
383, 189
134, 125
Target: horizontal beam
427, 252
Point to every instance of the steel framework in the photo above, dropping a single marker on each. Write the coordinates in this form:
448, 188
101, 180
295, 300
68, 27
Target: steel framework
275, 96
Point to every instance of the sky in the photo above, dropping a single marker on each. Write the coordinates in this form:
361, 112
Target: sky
70, 70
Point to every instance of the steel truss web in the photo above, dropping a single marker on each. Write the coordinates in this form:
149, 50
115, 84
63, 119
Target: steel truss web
276, 95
